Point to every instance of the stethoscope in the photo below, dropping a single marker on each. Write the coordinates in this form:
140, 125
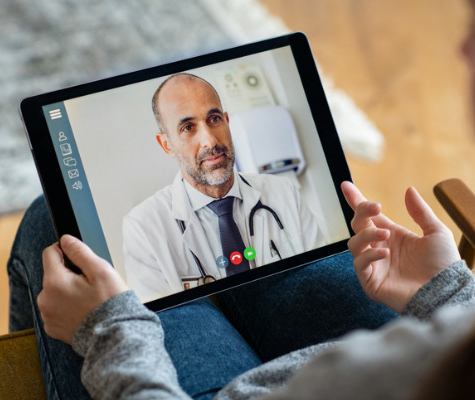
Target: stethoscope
207, 278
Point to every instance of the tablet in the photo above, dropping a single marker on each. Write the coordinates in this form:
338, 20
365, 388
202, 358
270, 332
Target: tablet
197, 176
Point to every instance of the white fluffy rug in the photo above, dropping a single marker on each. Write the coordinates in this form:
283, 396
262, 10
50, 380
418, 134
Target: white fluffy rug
51, 44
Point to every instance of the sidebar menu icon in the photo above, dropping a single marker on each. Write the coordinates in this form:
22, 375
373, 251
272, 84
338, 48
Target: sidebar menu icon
55, 114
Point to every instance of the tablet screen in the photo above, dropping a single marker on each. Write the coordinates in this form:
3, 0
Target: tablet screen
197, 176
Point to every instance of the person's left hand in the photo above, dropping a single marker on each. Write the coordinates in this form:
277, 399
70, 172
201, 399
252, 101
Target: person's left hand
67, 298
393, 263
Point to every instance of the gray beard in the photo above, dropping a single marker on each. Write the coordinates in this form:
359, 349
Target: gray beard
211, 177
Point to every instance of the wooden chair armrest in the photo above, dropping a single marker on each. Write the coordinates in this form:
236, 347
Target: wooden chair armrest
459, 202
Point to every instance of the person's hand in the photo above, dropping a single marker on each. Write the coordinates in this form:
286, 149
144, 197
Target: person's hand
393, 263
67, 298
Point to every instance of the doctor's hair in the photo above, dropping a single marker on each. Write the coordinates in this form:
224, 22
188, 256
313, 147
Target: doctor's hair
190, 77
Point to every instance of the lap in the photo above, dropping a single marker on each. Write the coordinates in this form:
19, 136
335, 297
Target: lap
207, 351
302, 307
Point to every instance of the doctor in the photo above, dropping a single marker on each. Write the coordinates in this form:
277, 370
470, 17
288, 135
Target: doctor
176, 239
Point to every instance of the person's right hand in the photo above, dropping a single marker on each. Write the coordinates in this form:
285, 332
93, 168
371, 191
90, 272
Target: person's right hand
393, 263
67, 298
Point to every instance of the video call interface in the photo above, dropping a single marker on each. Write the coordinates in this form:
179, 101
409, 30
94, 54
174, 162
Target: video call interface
143, 198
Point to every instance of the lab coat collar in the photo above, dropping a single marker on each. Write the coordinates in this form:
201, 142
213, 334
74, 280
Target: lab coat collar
181, 205
199, 200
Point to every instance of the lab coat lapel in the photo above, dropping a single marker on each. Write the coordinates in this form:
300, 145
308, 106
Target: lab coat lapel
193, 237
181, 207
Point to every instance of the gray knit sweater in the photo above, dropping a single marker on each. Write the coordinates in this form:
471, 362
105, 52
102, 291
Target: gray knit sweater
125, 358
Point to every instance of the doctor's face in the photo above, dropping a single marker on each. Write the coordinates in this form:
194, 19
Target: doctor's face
196, 131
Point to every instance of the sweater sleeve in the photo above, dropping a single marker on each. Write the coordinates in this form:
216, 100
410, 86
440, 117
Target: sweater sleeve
389, 363
454, 286
122, 343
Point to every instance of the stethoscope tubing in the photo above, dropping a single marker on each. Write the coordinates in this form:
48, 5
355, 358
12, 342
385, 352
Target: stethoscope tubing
257, 207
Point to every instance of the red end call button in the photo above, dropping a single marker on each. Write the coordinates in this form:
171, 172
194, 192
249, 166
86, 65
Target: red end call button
235, 257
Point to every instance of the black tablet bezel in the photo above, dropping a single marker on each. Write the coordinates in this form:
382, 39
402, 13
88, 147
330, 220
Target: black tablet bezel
54, 187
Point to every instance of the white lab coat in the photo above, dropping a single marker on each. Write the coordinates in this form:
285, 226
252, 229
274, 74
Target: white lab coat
157, 254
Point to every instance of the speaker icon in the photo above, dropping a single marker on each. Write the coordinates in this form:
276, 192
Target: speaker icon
77, 185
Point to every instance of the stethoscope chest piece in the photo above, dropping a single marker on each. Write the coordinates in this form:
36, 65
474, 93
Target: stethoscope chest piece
203, 280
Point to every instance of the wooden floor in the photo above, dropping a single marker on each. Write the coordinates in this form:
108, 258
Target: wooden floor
400, 61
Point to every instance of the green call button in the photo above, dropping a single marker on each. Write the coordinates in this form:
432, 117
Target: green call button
249, 253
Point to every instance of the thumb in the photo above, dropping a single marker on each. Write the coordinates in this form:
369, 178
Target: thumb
421, 213
81, 255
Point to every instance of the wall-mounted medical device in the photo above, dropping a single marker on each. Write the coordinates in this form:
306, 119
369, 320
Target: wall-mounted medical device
266, 141
243, 86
